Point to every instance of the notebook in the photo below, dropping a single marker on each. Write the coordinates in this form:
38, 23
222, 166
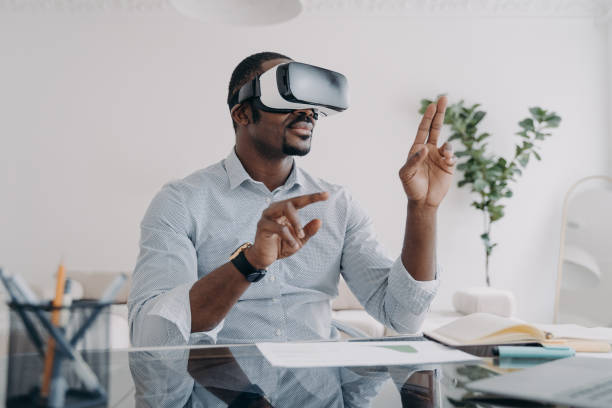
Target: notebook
488, 329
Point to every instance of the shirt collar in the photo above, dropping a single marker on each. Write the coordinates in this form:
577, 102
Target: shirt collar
237, 174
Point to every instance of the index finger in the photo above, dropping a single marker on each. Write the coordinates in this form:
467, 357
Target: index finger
303, 200
425, 124
438, 121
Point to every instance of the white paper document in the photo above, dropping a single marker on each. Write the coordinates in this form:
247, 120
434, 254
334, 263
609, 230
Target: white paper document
335, 354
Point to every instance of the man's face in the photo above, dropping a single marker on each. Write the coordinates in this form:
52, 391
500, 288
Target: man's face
282, 134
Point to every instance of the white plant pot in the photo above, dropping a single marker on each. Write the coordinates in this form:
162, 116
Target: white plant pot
485, 299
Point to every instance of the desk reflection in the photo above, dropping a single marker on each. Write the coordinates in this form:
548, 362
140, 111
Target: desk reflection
242, 377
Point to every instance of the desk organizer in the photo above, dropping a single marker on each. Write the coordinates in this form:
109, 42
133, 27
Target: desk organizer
80, 373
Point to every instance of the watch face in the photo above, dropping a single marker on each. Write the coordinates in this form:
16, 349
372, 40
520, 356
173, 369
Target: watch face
255, 276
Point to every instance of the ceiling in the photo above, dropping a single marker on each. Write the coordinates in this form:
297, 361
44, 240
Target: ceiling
486, 8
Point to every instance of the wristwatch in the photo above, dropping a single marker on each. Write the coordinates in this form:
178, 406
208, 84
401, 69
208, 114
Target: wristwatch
250, 273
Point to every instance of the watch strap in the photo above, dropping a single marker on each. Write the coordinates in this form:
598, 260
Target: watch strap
243, 265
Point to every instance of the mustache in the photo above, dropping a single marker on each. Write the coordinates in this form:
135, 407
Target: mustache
302, 117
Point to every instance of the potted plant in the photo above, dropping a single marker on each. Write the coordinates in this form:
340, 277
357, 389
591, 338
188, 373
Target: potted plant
487, 175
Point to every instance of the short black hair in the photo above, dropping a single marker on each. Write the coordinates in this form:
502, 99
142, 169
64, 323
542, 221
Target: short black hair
247, 69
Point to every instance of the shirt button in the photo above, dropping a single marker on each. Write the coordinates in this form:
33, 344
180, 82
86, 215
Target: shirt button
268, 200
278, 332
275, 300
272, 278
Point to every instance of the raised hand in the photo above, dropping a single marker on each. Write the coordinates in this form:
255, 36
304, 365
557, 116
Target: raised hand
427, 174
279, 231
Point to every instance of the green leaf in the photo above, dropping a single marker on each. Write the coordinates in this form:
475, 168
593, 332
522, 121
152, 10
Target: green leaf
508, 194
523, 134
462, 183
523, 159
471, 130
478, 206
496, 216
454, 136
480, 185
496, 212
478, 116
537, 156
482, 137
553, 121
462, 153
527, 124
493, 175
538, 113
490, 248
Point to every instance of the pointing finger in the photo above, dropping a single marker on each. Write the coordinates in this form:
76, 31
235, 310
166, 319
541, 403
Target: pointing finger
304, 200
280, 208
438, 121
425, 124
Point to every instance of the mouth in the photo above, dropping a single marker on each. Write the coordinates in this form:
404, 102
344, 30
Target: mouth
302, 128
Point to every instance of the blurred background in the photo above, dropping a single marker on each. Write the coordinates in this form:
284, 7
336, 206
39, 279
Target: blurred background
103, 102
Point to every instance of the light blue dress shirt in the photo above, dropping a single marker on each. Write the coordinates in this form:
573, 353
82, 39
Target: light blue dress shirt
193, 225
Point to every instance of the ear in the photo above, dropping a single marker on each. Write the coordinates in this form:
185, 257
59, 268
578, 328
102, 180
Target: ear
241, 114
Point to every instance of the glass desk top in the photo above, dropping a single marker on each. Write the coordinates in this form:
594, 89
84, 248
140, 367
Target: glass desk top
239, 376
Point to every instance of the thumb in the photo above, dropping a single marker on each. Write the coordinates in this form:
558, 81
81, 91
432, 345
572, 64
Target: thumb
311, 228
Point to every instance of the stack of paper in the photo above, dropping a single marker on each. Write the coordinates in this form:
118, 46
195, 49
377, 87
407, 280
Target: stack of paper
337, 354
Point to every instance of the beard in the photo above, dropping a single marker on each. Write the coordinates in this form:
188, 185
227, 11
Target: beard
291, 150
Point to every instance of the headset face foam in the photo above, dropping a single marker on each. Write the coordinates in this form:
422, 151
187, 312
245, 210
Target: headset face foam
292, 86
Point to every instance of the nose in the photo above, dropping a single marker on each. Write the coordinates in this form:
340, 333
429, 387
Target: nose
307, 112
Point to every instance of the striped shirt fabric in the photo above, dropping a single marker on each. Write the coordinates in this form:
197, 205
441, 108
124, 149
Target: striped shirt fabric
193, 225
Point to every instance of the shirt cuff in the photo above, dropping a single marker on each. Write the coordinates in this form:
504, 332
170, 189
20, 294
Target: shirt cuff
407, 290
174, 307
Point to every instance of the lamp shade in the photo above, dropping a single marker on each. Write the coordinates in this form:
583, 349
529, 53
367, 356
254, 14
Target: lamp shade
240, 12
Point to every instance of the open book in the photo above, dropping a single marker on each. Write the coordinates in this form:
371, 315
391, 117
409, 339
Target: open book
486, 329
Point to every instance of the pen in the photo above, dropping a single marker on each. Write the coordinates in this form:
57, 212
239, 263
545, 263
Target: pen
533, 352
55, 319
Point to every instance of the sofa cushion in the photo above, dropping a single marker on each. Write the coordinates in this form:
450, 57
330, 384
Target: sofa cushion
345, 299
360, 320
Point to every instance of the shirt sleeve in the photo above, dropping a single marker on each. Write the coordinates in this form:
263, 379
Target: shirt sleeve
158, 303
383, 286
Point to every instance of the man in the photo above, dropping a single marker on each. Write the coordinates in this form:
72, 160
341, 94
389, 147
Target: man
185, 288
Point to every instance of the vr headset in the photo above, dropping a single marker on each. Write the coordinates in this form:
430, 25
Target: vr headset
291, 86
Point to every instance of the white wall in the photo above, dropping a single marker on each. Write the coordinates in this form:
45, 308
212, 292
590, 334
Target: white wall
608, 23
99, 110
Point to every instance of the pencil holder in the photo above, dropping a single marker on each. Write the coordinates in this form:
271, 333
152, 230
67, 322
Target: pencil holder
78, 374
